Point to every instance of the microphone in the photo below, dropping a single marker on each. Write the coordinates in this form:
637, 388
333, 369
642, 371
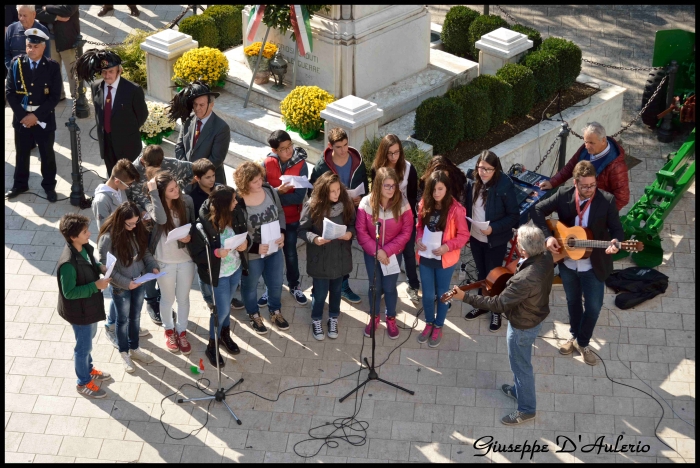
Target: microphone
377, 225
200, 228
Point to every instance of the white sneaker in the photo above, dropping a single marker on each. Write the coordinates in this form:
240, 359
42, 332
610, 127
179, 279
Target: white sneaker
139, 355
143, 332
128, 363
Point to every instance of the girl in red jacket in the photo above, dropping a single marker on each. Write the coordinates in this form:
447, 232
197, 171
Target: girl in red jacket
387, 206
438, 212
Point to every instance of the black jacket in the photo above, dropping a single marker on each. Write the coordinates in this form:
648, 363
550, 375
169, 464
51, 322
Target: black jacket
198, 195
325, 164
44, 88
65, 33
603, 221
80, 311
635, 285
501, 209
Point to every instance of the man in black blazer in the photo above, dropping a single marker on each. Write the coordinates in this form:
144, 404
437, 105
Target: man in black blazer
118, 133
583, 205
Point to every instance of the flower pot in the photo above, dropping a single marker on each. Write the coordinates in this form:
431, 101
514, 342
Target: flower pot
264, 63
310, 135
262, 77
156, 140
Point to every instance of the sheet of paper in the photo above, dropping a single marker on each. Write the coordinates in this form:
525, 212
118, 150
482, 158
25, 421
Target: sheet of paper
296, 181
357, 191
392, 268
148, 277
269, 233
111, 261
432, 240
178, 233
332, 230
235, 241
483, 225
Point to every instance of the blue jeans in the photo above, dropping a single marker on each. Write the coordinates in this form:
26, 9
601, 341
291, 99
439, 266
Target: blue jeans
81, 353
582, 318
409, 256
385, 284
291, 258
128, 304
321, 289
520, 357
206, 290
223, 293
436, 282
270, 268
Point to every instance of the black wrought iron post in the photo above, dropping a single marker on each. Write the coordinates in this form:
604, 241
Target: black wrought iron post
665, 133
486, 9
82, 110
563, 134
77, 193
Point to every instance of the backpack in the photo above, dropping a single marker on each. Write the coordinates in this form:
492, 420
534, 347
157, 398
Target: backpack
635, 285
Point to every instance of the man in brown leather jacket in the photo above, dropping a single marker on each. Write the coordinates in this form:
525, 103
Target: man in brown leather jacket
525, 303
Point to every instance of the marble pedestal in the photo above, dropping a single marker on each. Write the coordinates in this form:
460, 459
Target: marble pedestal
162, 51
500, 47
358, 117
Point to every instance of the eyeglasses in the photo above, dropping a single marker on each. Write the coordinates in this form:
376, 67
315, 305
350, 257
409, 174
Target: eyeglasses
285, 149
393, 153
483, 169
131, 226
124, 183
389, 186
587, 187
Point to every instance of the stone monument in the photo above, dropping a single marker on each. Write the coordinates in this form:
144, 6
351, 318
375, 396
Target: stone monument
162, 51
500, 47
358, 117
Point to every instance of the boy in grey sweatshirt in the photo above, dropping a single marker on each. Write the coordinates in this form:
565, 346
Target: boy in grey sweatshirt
112, 194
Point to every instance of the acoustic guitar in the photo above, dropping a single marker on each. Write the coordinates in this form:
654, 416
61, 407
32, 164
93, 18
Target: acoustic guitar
577, 242
493, 285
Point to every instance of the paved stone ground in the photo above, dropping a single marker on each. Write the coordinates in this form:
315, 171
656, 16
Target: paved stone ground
457, 398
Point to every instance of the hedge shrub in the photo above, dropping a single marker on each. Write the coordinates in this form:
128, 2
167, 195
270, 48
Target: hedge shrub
545, 67
523, 82
500, 96
455, 30
416, 156
531, 33
228, 21
439, 122
484, 24
202, 29
476, 109
569, 56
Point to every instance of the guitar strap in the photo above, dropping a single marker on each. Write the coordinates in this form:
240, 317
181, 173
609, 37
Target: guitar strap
578, 207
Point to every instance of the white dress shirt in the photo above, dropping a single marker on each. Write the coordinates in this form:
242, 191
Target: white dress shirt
583, 264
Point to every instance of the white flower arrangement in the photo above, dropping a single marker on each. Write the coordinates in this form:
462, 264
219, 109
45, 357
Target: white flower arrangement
158, 123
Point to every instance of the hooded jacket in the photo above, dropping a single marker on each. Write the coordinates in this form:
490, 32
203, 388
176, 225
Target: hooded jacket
455, 235
292, 200
106, 201
358, 170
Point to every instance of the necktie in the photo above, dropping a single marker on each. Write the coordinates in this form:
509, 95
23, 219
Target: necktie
33, 66
196, 132
108, 111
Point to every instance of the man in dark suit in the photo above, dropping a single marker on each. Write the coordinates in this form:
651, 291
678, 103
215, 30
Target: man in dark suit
33, 89
204, 134
120, 111
583, 205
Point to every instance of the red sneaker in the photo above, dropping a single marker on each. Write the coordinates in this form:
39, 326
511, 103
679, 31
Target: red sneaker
391, 328
368, 330
171, 341
185, 346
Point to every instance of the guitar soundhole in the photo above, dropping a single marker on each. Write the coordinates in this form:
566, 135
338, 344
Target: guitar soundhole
570, 242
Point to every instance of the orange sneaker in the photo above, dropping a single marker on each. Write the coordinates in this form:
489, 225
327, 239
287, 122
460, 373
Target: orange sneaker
98, 375
91, 390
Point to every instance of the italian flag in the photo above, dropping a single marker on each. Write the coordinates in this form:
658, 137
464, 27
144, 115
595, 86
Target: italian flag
302, 28
254, 20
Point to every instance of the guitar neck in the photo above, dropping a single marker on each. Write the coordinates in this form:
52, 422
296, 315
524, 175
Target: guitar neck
595, 244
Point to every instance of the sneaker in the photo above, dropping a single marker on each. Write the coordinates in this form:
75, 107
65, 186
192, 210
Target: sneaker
98, 375
228, 342
516, 417
111, 333
368, 329
568, 347
509, 391
210, 306
91, 390
128, 363
143, 332
185, 346
140, 355
333, 328
474, 313
154, 312
317, 330
277, 319
236, 304
587, 354
413, 295
262, 302
256, 322
298, 295
495, 322
347, 294
391, 329
435, 337
423, 337
171, 341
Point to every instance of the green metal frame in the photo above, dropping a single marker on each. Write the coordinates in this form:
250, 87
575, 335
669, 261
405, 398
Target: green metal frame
645, 220
678, 45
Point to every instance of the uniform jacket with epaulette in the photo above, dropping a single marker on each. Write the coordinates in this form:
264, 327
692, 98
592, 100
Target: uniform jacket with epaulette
43, 87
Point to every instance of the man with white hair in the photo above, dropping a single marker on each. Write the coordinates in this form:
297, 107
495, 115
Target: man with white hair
15, 40
608, 158
525, 303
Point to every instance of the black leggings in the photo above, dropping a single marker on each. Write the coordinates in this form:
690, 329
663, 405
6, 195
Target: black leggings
486, 258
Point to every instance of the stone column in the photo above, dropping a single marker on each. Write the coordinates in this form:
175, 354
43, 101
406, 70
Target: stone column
358, 117
162, 51
500, 47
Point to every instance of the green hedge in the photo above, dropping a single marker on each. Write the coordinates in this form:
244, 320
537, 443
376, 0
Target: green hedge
229, 26
455, 30
500, 96
523, 82
545, 67
440, 123
484, 24
476, 109
202, 29
133, 57
416, 156
569, 56
531, 33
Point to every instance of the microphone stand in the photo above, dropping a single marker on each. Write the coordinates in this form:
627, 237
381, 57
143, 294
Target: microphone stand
220, 394
372, 375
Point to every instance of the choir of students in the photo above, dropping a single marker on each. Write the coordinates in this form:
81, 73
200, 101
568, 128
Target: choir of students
390, 207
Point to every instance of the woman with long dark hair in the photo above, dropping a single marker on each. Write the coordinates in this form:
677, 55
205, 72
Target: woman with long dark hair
390, 154
490, 196
443, 163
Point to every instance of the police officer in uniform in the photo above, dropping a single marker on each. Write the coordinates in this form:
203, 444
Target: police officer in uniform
33, 89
